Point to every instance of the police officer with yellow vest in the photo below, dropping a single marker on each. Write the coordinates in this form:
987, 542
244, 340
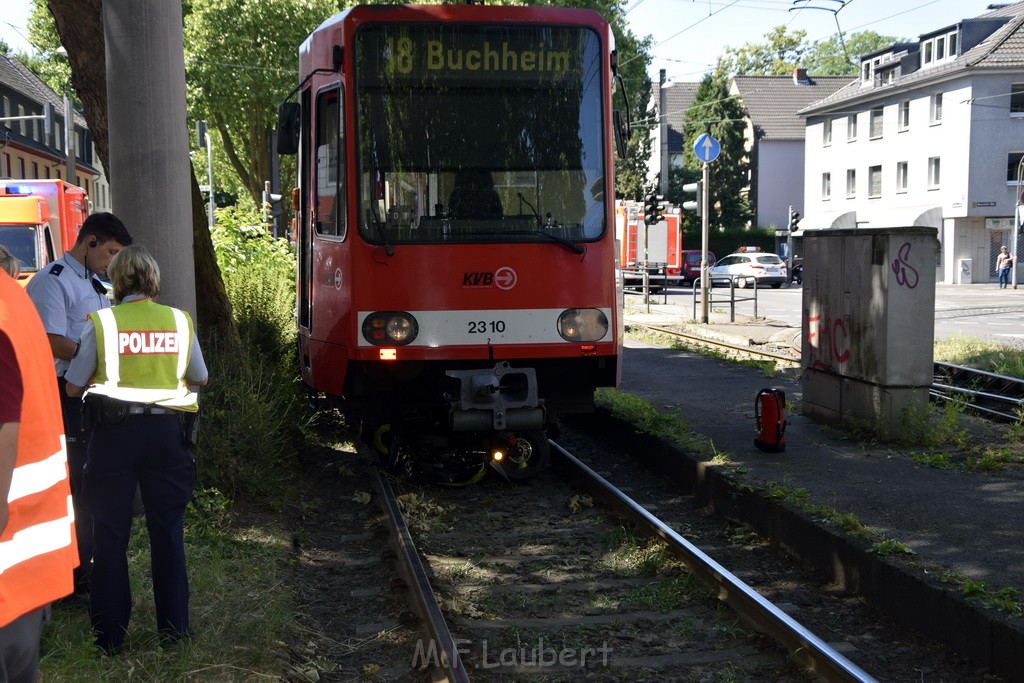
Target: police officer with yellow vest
65, 292
142, 364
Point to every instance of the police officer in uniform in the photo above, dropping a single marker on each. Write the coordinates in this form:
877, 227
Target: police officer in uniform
65, 292
143, 366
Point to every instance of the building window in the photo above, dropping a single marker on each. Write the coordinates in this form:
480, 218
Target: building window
826, 132
940, 48
1013, 160
928, 52
5, 109
874, 181
901, 176
904, 115
936, 108
1017, 99
21, 123
934, 172
826, 186
851, 128
851, 183
876, 122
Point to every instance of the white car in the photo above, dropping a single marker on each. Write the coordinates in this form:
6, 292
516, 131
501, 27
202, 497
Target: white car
749, 269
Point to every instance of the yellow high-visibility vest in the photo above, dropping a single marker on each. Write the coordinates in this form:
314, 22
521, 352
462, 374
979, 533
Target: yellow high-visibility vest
144, 349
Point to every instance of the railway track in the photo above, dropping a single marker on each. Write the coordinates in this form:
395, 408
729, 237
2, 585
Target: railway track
534, 580
995, 396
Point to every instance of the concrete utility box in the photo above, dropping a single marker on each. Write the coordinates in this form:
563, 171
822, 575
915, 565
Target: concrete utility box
868, 323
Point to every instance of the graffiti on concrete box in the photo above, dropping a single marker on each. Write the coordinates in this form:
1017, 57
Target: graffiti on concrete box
828, 341
906, 275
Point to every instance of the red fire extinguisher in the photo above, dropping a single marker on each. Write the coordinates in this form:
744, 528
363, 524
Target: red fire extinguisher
770, 420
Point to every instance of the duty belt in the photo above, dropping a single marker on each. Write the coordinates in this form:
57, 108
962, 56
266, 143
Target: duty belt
143, 409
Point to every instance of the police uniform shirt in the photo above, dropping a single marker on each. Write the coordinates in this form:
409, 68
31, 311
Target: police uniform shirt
65, 293
83, 365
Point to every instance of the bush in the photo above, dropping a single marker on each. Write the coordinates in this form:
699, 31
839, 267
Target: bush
252, 405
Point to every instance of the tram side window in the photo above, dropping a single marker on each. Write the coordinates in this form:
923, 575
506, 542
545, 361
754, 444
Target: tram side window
330, 171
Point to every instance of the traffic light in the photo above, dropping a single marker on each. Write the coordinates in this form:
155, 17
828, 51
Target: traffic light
794, 221
654, 209
697, 190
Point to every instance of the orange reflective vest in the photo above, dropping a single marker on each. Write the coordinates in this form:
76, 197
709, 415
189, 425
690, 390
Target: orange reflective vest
37, 547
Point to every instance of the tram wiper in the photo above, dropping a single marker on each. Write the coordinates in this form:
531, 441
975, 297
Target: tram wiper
547, 235
388, 249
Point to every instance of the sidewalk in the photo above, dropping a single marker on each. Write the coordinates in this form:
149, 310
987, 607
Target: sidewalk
966, 523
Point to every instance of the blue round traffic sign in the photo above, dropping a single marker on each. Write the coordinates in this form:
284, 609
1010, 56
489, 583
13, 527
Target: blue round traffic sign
706, 148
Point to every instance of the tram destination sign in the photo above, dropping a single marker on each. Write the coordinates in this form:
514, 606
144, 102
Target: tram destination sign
460, 53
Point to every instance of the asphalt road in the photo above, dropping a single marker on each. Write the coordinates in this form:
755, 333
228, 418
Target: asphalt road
979, 310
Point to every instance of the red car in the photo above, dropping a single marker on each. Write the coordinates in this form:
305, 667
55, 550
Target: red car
691, 265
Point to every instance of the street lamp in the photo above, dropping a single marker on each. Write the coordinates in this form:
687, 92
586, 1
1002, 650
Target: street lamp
203, 140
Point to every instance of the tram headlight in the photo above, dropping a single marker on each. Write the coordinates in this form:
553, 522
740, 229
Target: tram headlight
390, 328
582, 324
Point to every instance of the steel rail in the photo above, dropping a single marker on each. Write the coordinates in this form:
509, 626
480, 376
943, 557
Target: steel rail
969, 378
801, 643
421, 595
714, 342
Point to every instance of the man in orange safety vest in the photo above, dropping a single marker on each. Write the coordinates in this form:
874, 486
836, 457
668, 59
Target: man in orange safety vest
37, 538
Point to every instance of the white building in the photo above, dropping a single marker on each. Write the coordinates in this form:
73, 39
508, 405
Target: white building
931, 134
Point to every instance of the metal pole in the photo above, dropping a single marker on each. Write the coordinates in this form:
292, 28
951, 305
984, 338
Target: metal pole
1016, 223
70, 174
704, 284
789, 245
209, 171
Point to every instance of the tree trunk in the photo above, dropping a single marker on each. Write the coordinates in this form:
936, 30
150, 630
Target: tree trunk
80, 26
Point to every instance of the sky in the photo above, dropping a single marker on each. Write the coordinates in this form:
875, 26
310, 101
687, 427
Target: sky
689, 35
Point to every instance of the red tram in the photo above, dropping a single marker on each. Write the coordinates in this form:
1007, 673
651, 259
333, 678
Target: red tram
458, 287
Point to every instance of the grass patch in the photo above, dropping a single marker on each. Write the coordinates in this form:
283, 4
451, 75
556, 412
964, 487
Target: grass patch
631, 555
1000, 358
1002, 599
649, 420
239, 611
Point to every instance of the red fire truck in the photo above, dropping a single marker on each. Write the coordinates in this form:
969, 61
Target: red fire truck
40, 220
658, 246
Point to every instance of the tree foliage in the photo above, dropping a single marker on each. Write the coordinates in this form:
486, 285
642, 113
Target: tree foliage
241, 60
829, 58
782, 51
776, 56
716, 112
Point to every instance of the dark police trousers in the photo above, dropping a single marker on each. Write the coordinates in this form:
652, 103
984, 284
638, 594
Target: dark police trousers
148, 451
77, 444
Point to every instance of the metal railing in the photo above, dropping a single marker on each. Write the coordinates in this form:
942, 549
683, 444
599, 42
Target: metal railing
743, 280
648, 279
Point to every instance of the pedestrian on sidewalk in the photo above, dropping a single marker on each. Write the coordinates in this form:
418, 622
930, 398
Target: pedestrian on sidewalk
1003, 264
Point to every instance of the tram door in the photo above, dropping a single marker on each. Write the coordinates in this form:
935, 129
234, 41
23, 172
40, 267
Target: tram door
305, 242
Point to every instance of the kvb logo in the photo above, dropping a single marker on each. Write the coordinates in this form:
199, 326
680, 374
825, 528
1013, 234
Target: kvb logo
503, 278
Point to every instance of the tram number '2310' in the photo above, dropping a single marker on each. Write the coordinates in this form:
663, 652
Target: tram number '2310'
486, 326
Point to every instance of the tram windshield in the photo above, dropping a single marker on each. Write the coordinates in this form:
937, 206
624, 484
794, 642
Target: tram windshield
479, 134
